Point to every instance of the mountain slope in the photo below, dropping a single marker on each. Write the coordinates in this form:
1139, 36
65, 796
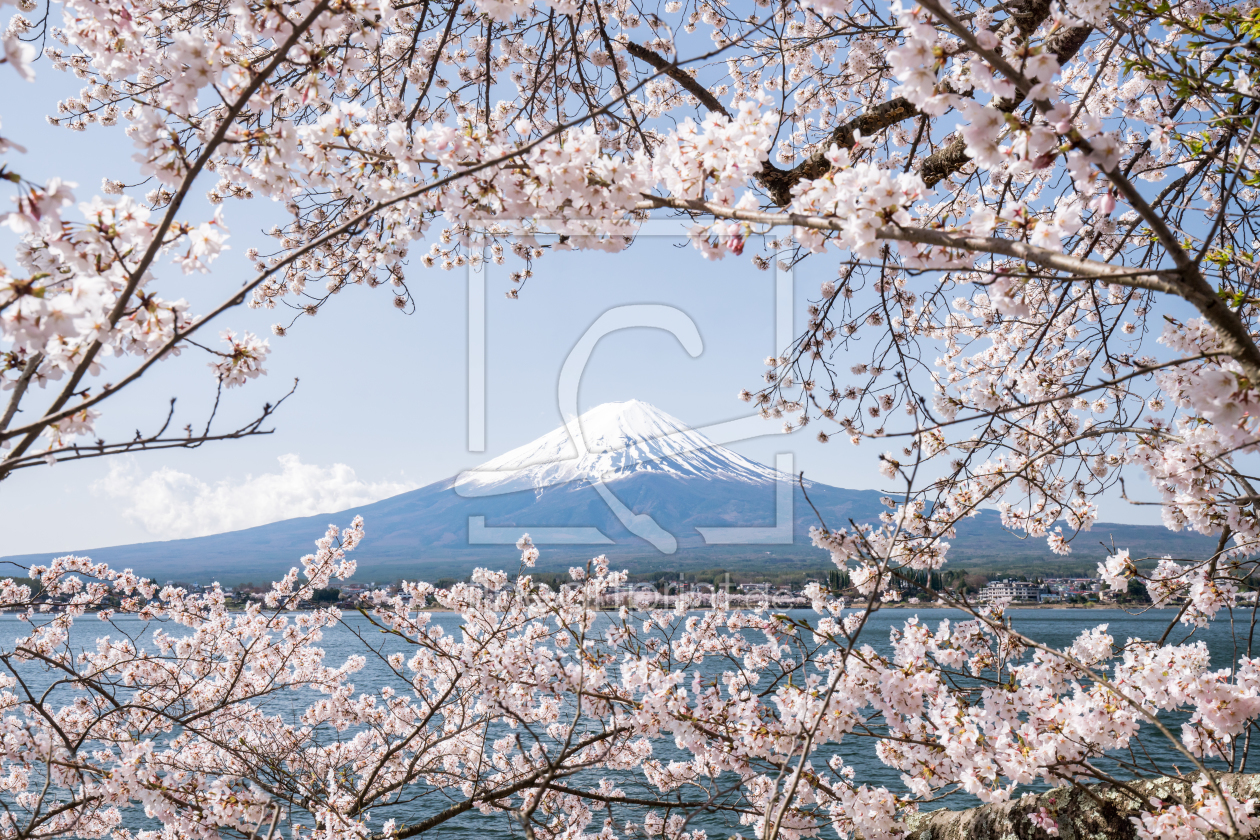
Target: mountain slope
617, 441
634, 470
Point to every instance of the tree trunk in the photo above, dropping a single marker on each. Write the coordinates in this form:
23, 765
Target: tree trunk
1090, 812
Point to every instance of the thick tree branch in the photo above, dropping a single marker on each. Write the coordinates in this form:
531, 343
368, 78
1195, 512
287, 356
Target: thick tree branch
953, 156
779, 182
936, 167
1047, 257
673, 71
19, 389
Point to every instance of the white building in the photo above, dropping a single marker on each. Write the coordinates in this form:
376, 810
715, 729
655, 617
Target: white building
1015, 590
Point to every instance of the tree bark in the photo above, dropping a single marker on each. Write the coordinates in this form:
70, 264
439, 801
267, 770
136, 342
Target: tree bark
948, 159
1088, 812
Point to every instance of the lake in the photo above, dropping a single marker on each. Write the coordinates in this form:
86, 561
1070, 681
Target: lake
1054, 627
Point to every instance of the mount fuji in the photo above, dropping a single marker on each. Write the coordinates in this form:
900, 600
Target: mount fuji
624, 479
617, 441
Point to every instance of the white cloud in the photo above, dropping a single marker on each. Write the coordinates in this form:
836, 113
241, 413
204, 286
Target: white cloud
170, 504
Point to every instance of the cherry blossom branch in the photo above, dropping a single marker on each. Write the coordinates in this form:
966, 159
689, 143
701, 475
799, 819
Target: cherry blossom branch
1071, 394
141, 268
1062, 44
1024, 86
148, 443
239, 297
527, 783
1088, 269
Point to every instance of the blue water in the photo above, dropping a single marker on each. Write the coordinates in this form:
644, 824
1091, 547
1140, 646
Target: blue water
1055, 628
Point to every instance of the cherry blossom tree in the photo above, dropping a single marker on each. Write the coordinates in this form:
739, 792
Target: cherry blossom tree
1038, 214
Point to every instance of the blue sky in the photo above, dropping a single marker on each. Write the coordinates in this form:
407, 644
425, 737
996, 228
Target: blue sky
384, 394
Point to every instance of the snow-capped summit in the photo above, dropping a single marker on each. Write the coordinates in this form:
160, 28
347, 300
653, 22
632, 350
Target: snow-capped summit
617, 440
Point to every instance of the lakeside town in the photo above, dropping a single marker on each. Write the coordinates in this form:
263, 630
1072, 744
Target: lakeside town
665, 593
722, 590
1050, 591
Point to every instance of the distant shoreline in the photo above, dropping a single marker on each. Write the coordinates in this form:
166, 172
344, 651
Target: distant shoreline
893, 605
1092, 605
